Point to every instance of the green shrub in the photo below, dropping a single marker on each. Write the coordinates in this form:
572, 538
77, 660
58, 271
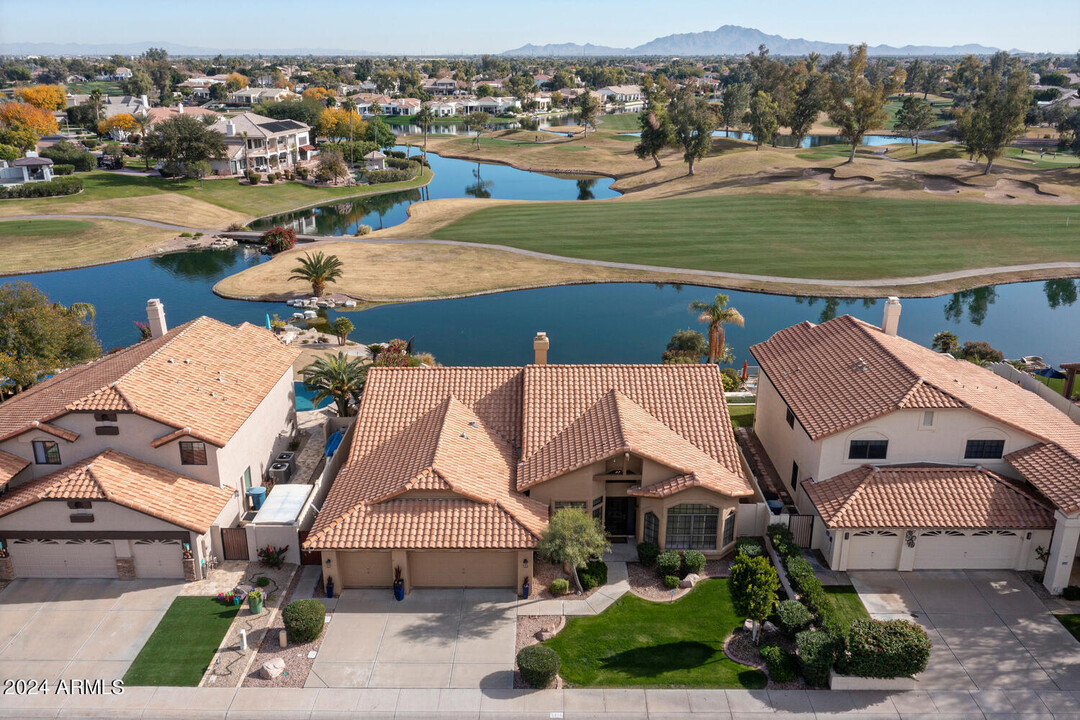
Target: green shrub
279, 239
647, 552
593, 574
886, 649
253, 177
262, 581
749, 547
539, 665
779, 662
817, 653
560, 586
1071, 593
794, 617
376, 177
68, 185
362, 230
304, 619
779, 532
63, 169
90, 143
65, 152
668, 563
671, 581
693, 562
186, 234
731, 378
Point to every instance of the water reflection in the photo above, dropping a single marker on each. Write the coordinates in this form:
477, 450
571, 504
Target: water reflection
585, 190
831, 305
1060, 292
975, 302
481, 188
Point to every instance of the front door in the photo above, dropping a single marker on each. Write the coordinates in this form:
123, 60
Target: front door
619, 516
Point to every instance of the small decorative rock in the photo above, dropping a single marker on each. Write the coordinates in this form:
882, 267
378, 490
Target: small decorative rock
272, 668
748, 625
768, 627
689, 581
547, 632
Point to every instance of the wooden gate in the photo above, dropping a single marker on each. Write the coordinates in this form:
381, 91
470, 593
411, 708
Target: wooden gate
308, 558
802, 529
234, 543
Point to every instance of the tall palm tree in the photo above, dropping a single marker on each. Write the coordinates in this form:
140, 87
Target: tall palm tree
95, 99
340, 377
424, 118
349, 106
318, 269
716, 314
83, 311
143, 121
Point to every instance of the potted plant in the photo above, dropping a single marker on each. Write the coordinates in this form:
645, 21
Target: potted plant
329, 588
255, 601
399, 584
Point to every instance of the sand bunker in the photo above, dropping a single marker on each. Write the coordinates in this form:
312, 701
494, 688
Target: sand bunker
1008, 189
944, 185
827, 180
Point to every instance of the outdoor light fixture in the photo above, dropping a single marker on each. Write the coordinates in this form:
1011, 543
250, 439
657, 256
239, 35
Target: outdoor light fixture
525, 562
327, 562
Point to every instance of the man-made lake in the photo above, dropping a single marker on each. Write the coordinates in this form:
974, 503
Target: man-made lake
453, 179
616, 323
458, 128
813, 140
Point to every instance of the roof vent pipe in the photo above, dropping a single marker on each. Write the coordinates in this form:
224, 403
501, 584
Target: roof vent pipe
891, 319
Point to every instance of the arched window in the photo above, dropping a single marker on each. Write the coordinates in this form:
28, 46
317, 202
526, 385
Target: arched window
692, 527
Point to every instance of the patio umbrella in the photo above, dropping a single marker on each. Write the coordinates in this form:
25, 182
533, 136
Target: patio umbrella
744, 370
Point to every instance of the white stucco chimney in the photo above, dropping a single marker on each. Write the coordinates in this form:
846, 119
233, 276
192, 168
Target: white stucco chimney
145, 101
230, 128
891, 320
155, 317
540, 347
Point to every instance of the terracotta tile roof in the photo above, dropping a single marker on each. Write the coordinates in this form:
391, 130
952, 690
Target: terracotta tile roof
10, 466
55, 431
846, 372
461, 431
1053, 471
204, 374
123, 480
666, 487
925, 496
675, 414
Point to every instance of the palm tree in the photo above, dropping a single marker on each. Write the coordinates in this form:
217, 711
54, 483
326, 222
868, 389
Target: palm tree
95, 98
83, 311
716, 314
143, 121
945, 341
424, 118
318, 269
349, 106
340, 377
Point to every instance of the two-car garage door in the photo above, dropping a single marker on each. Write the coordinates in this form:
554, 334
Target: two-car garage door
935, 549
431, 569
61, 558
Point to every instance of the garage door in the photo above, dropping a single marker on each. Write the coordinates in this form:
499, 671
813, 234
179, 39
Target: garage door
873, 550
463, 569
63, 558
973, 550
158, 558
364, 569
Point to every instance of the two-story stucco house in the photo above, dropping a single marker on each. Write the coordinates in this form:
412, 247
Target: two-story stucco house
453, 472
911, 459
132, 464
255, 142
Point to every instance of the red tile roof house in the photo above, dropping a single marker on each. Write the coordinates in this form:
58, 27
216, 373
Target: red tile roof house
130, 465
909, 459
453, 473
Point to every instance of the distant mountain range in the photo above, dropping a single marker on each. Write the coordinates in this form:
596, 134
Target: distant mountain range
138, 48
735, 40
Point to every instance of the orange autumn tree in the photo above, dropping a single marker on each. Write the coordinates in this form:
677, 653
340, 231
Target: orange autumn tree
22, 124
236, 81
334, 122
125, 122
46, 97
318, 93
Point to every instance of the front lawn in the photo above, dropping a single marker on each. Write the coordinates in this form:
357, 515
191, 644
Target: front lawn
638, 643
1071, 623
183, 644
845, 600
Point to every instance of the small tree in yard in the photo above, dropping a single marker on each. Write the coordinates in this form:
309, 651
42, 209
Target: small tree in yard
342, 327
754, 584
331, 166
198, 170
572, 538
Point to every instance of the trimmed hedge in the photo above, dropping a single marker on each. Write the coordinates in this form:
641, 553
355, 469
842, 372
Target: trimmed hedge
66, 153
886, 649
1071, 593
668, 563
593, 574
693, 562
304, 619
817, 654
560, 586
671, 581
647, 553
539, 665
794, 617
67, 185
63, 170
780, 663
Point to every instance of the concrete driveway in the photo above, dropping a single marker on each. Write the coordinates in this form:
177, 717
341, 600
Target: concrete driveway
989, 630
434, 638
78, 629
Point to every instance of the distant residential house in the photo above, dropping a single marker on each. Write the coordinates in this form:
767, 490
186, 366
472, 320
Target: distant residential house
402, 106
75, 79
442, 86
621, 93
122, 73
443, 108
200, 86
255, 142
255, 95
159, 114
26, 169
113, 105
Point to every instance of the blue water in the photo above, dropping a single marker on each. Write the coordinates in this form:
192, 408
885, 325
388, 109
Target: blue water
614, 323
813, 140
453, 179
305, 398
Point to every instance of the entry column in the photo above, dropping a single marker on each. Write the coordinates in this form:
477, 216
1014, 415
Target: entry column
1062, 552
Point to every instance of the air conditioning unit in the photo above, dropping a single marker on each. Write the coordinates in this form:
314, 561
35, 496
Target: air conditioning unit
288, 457
280, 472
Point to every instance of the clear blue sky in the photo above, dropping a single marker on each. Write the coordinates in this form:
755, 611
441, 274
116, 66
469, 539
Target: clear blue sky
472, 26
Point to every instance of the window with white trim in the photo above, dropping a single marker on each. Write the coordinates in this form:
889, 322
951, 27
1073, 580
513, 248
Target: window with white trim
729, 528
868, 449
984, 449
692, 527
46, 452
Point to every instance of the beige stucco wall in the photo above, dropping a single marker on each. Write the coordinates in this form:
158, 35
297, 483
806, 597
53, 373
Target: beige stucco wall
659, 507
783, 444
576, 486
56, 515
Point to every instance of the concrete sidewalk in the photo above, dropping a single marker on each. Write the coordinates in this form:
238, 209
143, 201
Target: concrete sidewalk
618, 582
624, 704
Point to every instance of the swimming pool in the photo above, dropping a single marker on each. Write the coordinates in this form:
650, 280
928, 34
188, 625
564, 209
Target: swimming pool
304, 398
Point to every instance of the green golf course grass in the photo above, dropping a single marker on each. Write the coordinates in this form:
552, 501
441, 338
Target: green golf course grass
785, 235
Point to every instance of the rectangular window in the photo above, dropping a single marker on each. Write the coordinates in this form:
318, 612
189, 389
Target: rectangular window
984, 449
868, 449
790, 418
928, 419
651, 533
192, 453
794, 475
247, 479
46, 452
691, 527
107, 430
562, 505
729, 528
105, 416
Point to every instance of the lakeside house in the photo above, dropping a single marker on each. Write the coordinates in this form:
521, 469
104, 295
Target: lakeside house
31, 168
254, 95
453, 473
902, 458
138, 464
255, 142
